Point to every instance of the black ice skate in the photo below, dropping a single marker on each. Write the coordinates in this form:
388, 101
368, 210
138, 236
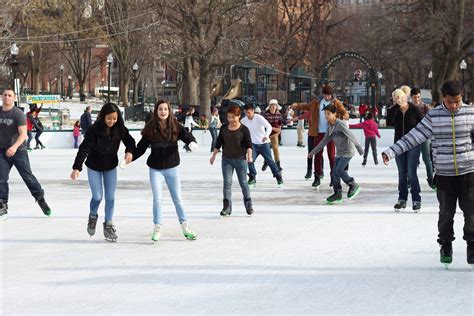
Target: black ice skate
364, 162
91, 224
279, 180
354, 189
3, 210
252, 181
400, 205
309, 174
446, 254
470, 254
316, 182
248, 206
44, 206
416, 206
109, 232
227, 209
335, 198
264, 166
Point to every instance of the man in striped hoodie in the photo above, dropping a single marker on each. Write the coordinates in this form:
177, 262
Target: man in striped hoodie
450, 127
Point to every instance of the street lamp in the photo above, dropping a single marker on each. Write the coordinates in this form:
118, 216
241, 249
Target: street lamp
110, 60
379, 81
61, 72
430, 76
163, 83
463, 66
14, 50
135, 69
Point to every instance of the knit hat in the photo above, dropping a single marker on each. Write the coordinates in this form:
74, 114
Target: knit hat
273, 101
327, 90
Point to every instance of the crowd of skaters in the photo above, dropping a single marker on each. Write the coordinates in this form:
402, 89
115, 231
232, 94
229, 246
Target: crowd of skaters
449, 126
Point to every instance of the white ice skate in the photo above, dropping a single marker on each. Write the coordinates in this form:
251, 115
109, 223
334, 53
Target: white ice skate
187, 232
156, 233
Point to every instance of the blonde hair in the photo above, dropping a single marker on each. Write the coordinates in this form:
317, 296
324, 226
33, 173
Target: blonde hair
398, 93
406, 90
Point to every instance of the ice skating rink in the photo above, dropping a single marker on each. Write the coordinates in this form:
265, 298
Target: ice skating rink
296, 255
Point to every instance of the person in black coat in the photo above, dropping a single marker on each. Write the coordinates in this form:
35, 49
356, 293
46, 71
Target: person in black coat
100, 147
161, 134
86, 120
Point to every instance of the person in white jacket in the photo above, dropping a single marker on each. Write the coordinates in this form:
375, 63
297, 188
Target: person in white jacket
189, 123
260, 131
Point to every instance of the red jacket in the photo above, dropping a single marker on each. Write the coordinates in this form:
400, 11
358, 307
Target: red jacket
369, 126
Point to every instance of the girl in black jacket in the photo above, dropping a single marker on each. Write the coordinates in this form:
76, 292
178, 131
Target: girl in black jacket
162, 133
100, 147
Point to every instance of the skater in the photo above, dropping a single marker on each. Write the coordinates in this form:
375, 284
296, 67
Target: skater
161, 134
300, 133
86, 120
318, 127
236, 142
76, 132
13, 153
260, 131
100, 146
188, 124
450, 127
213, 126
339, 133
273, 116
426, 146
404, 116
32, 121
371, 130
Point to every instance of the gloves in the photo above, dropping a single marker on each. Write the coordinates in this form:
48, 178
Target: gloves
193, 146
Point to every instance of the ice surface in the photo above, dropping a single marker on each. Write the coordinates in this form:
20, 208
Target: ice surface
295, 255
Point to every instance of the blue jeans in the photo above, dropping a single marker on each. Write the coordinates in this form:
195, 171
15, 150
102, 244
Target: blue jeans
173, 181
22, 164
426, 155
240, 166
30, 137
407, 164
339, 172
213, 132
266, 151
109, 178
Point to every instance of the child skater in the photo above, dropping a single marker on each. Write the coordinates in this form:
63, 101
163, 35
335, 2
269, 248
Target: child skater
76, 132
339, 133
162, 133
100, 146
235, 139
370, 131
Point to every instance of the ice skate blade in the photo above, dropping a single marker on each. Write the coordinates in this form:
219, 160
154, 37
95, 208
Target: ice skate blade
398, 210
472, 266
316, 188
111, 240
446, 266
190, 238
333, 203
4, 218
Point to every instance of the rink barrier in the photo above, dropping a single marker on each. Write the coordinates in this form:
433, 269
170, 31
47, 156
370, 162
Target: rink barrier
62, 139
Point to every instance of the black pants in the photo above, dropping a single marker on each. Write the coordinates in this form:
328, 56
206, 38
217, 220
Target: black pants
449, 191
372, 142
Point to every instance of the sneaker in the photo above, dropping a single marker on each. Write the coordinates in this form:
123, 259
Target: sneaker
279, 179
227, 208
44, 206
400, 205
264, 166
446, 252
354, 189
3, 211
187, 232
470, 252
156, 232
309, 174
316, 183
91, 224
248, 206
335, 198
109, 232
416, 206
252, 181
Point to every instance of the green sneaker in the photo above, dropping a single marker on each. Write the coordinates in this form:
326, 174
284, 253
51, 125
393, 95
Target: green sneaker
335, 198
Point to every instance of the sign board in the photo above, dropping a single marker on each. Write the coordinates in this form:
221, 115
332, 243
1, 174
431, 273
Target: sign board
292, 87
34, 99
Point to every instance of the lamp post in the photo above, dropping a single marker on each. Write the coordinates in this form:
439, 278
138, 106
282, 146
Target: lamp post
61, 73
135, 69
14, 50
163, 83
430, 76
110, 60
463, 66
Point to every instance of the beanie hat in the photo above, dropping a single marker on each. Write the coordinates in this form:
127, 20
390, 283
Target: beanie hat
327, 90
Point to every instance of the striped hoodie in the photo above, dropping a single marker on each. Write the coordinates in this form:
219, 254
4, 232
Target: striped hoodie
451, 137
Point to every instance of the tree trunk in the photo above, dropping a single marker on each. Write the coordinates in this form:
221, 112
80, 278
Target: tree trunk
82, 95
124, 91
191, 82
205, 80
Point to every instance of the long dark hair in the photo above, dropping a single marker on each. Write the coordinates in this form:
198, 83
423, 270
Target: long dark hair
157, 130
118, 130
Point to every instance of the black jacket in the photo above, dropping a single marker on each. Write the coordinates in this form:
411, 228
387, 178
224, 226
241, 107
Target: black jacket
403, 122
101, 150
86, 121
164, 154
